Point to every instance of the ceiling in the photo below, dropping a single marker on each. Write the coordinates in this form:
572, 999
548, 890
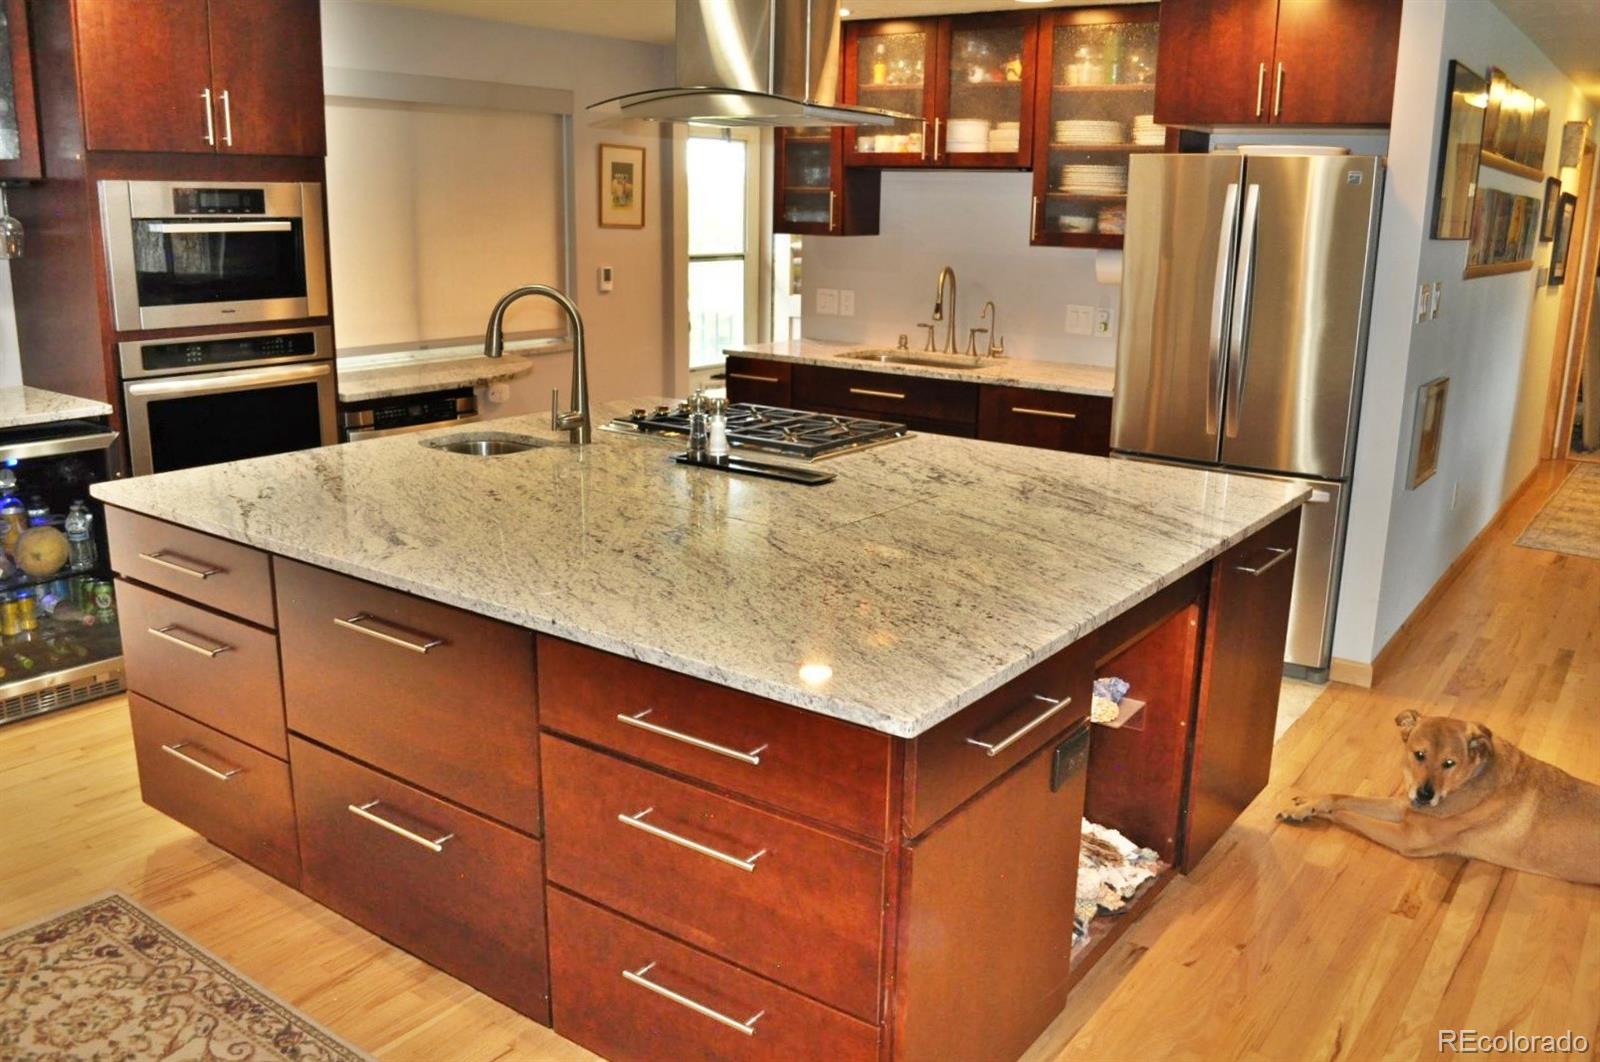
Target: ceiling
651, 20
1568, 31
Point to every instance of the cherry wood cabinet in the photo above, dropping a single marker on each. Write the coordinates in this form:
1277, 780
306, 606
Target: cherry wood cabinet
19, 113
200, 76
1053, 420
923, 403
814, 194
1280, 62
766, 383
212, 571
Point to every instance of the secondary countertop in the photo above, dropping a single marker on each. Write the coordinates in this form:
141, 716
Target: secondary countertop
1015, 372
21, 407
367, 376
929, 573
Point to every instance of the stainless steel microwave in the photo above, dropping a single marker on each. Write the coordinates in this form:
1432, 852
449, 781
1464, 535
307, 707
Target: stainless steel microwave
184, 254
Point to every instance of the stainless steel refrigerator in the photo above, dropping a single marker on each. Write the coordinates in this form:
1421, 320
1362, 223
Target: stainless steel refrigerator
1247, 281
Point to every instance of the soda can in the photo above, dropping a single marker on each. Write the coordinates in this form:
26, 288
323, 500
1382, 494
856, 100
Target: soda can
27, 614
105, 599
10, 618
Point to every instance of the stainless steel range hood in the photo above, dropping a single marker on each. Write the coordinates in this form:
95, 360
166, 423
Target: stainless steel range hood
751, 62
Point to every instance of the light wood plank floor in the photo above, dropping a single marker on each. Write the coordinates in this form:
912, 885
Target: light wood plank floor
1286, 943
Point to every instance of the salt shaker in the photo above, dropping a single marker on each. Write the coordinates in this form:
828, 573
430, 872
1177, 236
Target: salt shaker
717, 431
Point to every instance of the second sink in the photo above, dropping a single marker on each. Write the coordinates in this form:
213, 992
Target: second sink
923, 358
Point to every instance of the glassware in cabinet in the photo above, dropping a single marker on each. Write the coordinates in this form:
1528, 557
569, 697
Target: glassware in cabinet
890, 66
985, 113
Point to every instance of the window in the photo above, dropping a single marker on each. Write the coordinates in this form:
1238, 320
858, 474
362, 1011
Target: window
721, 169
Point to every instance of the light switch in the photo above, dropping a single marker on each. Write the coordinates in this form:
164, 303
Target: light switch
1080, 320
1438, 297
828, 302
1105, 322
1424, 301
607, 278
847, 302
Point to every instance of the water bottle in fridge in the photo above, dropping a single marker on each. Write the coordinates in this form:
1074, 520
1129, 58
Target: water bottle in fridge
82, 553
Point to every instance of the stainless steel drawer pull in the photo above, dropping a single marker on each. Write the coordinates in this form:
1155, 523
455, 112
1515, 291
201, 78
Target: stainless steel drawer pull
1261, 83
227, 119
365, 811
162, 557
360, 623
177, 750
1280, 554
753, 757
1029, 411
638, 823
748, 1026
167, 633
876, 394
753, 378
211, 128
997, 747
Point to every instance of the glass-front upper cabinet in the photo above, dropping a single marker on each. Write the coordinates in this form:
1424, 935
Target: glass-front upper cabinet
1094, 108
986, 95
19, 124
814, 194
892, 66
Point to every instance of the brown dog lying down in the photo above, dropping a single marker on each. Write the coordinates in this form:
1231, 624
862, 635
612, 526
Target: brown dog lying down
1472, 794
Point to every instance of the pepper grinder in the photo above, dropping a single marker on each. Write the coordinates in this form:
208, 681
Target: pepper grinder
697, 426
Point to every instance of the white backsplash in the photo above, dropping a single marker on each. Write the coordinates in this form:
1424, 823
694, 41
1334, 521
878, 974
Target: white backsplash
976, 223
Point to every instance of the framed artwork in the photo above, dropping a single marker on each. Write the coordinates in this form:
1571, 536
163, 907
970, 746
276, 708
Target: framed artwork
1505, 228
1462, 139
1566, 213
1427, 433
622, 187
1547, 218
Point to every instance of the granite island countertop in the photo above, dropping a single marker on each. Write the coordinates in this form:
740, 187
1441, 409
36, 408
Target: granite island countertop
22, 407
1096, 380
930, 572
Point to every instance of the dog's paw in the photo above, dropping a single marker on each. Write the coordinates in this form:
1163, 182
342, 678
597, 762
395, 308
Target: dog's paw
1303, 809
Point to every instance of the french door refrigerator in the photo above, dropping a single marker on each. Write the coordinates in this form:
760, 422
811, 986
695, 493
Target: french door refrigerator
1246, 287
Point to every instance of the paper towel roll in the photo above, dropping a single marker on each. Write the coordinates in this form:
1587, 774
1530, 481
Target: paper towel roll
1108, 267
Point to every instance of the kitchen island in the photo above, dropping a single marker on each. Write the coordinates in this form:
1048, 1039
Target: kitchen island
686, 763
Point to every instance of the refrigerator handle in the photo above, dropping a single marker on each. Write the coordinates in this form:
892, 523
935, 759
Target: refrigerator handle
1220, 305
1243, 296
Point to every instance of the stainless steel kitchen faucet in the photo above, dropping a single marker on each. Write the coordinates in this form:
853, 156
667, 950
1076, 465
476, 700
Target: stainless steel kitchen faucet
577, 420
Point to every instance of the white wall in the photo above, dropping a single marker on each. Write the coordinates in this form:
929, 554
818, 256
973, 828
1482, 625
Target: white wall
1494, 338
976, 223
626, 333
10, 356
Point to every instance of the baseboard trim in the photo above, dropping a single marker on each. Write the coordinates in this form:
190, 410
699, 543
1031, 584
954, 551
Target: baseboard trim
1350, 672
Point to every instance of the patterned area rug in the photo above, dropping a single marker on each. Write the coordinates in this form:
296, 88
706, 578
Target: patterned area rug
110, 981
1570, 520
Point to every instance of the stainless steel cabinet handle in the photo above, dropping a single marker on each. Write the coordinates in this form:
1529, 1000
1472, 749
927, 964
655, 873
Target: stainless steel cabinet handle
637, 822
937, 122
753, 757
359, 623
1033, 219
435, 844
833, 198
1277, 93
922, 141
227, 119
996, 748
1029, 411
1243, 300
748, 1026
753, 378
1261, 85
194, 647
161, 556
1280, 554
206, 228
211, 127
176, 750
876, 394
1221, 306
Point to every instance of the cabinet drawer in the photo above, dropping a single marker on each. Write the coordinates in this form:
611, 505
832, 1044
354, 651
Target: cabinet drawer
234, 796
215, 572
217, 670
434, 695
452, 888
756, 380
614, 975
781, 899
983, 741
1055, 420
808, 764
914, 400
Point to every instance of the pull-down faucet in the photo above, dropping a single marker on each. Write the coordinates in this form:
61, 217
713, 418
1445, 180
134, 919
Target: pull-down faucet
576, 420
938, 309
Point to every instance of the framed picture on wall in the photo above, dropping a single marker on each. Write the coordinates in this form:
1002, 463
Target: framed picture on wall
1566, 214
1466, 94
1427, 432
622, 187
1552, 199
1505, 229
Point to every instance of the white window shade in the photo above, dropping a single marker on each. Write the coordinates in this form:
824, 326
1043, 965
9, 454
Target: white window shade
434, 213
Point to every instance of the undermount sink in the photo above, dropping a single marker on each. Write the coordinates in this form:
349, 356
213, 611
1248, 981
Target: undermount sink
485, 443
927, 359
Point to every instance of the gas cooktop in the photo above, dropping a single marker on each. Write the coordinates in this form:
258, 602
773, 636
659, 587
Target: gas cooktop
771, 429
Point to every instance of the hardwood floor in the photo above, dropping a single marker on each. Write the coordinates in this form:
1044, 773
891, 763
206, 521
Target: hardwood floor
1286, 942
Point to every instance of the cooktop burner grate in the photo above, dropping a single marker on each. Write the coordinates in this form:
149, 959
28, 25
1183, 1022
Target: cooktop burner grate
771, 429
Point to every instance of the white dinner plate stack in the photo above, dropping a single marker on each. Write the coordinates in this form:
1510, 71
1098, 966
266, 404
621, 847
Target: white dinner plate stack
1071, 132
1005, 138
967, 136
1095, 179
1146, 133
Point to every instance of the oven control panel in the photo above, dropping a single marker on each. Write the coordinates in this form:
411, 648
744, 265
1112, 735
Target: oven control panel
226, 350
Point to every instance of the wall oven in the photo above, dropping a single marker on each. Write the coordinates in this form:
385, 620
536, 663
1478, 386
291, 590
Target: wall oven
192, 401
185, 254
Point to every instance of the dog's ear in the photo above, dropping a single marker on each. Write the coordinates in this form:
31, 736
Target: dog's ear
1480, 742
1407, 722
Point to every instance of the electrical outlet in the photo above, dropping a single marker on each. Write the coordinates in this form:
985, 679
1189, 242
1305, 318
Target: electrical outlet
1105, 323
1424, 300
607, 279
847, 302
1438, 297
1080, 320
828, 302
